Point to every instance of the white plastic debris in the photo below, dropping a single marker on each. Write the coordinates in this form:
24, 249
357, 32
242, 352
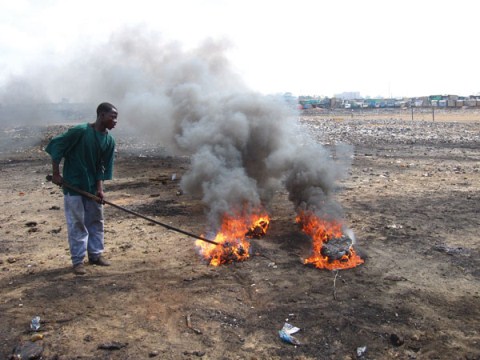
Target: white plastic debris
286, 334
290, 329
35, 324
361, 351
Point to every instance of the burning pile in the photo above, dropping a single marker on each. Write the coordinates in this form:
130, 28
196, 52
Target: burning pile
332, 249
232, 236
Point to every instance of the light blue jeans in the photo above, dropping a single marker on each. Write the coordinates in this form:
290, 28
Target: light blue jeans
85, 227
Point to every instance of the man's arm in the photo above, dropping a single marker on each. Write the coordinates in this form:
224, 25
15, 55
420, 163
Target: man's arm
56, 178
100, 193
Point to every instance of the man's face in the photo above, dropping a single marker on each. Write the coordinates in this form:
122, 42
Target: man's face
109, 119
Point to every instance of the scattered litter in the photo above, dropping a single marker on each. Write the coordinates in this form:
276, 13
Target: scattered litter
286, 334
451, 250
189, 325
290, 329
361, 351
36, 337
290, 316
288, 338
35, 324
28, 350
174, 176
394, 226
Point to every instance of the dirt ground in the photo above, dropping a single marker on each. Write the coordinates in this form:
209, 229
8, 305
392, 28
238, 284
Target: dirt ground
412, 199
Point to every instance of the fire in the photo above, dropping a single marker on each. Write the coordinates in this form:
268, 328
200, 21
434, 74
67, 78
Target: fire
232, 236
322, 231
259, 226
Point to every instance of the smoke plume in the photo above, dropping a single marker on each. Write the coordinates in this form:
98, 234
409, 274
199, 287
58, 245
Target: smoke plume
243, 146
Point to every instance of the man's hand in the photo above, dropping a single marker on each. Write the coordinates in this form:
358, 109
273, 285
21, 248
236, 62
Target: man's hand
100, 195
57, 179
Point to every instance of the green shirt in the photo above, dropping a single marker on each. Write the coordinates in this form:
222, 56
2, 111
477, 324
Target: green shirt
88, 156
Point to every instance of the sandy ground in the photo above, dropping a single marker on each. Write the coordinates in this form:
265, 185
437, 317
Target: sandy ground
412, 199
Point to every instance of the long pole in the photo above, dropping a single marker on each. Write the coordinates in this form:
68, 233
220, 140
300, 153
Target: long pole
96, 198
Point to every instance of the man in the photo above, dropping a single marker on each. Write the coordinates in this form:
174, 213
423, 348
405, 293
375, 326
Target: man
88, 152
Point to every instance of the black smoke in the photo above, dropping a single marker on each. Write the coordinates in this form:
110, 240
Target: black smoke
244, 146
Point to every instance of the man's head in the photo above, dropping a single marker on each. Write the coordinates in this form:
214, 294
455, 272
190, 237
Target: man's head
105, 107
107, 115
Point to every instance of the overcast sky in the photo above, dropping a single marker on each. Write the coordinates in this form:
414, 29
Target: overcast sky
307, 47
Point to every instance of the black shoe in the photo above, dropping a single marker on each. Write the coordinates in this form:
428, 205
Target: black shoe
100, 261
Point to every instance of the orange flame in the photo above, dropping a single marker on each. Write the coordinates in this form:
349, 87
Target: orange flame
232, 235
259, 226
321, 231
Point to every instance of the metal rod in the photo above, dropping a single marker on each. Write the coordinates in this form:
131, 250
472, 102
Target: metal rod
96, 198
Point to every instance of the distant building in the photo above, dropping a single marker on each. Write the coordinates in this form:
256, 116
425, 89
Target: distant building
352, 100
